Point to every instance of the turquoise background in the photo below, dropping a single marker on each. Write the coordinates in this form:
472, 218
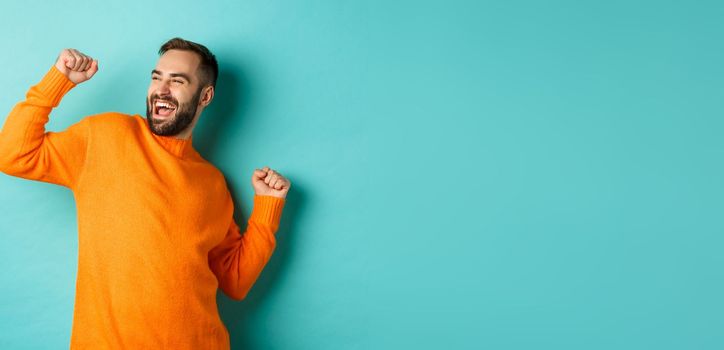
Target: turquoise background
465, 174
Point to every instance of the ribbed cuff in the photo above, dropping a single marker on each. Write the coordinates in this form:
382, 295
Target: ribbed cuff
267, 210
54, 86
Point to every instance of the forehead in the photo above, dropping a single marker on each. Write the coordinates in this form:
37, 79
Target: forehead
178, 61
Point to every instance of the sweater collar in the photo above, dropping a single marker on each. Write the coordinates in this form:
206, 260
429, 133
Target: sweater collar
178, 147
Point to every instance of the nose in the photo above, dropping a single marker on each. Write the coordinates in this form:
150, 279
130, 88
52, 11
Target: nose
163, 88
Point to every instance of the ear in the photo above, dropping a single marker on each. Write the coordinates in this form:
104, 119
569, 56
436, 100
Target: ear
206, 96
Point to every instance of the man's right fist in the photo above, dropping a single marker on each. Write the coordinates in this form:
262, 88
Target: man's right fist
76, 66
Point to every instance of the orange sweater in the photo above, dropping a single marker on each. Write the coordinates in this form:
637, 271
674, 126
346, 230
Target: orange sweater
156, 235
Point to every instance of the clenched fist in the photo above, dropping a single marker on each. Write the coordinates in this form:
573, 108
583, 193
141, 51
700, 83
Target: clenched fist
267, 182
76, 66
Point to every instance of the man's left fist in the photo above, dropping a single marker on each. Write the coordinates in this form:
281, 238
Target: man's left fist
267, 182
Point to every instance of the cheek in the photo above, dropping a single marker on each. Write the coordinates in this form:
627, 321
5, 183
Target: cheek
181, 96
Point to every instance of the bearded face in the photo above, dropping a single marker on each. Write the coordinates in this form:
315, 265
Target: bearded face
167, 116
172, 100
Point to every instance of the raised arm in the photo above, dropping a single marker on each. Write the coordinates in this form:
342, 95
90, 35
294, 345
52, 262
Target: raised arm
26, 149
239, 259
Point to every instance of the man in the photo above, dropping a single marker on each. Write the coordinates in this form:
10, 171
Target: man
156, 231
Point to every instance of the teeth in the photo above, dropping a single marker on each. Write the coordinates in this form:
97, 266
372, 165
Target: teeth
164, 105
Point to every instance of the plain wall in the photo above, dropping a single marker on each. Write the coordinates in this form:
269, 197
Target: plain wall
465, 174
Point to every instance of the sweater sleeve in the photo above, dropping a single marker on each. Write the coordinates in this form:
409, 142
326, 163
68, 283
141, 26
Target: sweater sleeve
28, 151
239, 259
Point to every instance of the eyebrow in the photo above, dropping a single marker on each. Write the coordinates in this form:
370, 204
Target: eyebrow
173, 75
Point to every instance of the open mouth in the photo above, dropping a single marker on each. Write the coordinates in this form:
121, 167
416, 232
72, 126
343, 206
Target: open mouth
163, 109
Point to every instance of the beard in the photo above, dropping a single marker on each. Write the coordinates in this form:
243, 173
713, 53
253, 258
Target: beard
182, 118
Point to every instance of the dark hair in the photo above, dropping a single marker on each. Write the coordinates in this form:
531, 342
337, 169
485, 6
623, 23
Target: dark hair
208, 68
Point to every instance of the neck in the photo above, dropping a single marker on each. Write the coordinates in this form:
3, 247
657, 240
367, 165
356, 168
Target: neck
186, 134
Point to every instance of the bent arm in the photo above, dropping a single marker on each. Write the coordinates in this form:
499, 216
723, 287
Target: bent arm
28, 151
239, 259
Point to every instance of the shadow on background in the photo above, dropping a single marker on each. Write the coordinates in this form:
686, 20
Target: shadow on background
226, 113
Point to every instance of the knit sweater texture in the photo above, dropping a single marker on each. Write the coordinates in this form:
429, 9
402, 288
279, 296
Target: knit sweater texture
156, 233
